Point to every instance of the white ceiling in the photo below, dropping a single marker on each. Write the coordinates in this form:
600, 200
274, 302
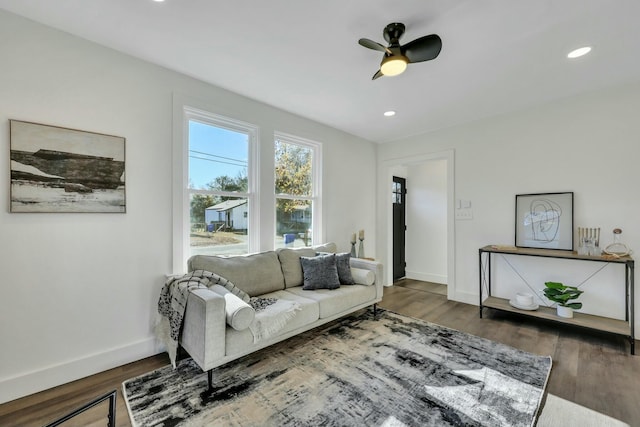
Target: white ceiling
303, 57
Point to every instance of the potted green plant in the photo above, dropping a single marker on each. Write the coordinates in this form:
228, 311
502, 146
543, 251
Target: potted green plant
562, 294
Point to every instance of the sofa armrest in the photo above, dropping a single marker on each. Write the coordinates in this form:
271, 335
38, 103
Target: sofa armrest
204, 325
374, 266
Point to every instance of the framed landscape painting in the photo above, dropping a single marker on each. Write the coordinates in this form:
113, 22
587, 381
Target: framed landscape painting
55, 169
545, 220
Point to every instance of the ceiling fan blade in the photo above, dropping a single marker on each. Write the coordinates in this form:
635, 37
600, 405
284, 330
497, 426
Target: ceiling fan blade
373, 45
423, 49
377, 74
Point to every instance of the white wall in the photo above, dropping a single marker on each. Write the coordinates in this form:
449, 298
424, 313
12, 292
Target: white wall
587, 144
426, 245
79, 291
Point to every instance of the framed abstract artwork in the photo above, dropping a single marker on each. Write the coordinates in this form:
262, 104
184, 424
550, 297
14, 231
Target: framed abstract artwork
55, 169
545, 220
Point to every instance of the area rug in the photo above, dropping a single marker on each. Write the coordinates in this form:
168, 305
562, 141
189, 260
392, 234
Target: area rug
362, 370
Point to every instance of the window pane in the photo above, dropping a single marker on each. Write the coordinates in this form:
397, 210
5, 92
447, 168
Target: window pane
218, 225
293, 223
217, 158
293, 169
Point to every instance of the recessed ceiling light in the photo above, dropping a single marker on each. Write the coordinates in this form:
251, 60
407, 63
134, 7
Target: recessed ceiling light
390, 113
579, 52
158, 1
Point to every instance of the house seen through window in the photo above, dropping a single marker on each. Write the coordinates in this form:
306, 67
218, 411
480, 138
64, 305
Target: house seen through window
296, 190
219, 205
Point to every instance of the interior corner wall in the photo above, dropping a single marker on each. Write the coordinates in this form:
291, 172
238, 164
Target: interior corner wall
426, 238
587, 144
79, 291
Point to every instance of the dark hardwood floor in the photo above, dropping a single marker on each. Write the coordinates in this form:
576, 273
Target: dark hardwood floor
593, 370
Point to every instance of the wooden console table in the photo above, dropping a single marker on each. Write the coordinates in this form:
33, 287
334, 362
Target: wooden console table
605, 324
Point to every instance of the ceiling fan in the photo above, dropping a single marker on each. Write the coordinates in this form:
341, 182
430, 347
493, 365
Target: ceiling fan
396, 56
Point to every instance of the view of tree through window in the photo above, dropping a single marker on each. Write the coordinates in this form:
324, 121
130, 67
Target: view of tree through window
294, 193
218, 189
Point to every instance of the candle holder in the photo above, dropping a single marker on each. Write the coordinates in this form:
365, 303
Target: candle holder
361, 248
353, 249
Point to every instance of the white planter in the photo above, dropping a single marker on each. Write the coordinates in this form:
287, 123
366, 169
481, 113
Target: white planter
565, 311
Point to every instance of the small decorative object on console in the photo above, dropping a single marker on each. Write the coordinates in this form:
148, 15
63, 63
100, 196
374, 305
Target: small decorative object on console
589, 241
524, 302
562, 294
617, 248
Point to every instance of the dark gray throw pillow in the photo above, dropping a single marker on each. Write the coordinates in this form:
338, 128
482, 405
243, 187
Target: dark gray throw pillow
319, 272
344, 268
343, 264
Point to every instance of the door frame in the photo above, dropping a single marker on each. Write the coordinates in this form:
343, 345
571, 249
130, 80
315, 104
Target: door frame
403, 186
448, 156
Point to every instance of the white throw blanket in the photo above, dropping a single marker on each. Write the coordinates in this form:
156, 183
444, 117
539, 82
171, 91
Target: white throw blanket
272, 318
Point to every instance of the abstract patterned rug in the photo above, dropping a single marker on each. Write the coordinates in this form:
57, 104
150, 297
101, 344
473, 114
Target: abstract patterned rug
388, 371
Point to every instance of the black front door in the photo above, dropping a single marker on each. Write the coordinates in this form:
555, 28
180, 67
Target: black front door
398, 197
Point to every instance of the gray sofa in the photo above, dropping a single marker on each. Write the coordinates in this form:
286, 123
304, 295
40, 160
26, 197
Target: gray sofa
207, 335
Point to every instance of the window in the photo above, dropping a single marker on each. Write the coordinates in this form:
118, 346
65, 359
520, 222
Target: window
297, 188
219, 189
221, 177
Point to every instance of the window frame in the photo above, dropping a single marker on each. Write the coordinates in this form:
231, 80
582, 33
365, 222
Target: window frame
317, 230
183, 114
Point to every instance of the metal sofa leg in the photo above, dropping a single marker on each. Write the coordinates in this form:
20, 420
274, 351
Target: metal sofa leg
210, 380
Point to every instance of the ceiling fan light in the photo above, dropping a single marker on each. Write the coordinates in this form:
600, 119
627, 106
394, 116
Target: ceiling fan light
393, 65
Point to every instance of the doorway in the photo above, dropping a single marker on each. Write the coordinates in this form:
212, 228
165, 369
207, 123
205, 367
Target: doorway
424, 240
398, 198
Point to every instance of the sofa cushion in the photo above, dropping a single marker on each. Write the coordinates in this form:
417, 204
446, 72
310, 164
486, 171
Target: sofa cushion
255, 274
336, 301
319, 272
238, 342
290, 264
290, 261
327, 247
239, 314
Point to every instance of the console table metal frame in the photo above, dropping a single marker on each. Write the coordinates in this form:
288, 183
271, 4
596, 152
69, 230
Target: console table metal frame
604, 324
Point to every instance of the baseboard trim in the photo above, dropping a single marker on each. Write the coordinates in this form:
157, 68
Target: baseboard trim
466, 297
427, 277
42, 379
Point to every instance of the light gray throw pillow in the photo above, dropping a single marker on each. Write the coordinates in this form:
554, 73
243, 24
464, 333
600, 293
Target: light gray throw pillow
319, 272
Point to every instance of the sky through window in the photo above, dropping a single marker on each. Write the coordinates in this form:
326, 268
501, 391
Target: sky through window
215, 152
